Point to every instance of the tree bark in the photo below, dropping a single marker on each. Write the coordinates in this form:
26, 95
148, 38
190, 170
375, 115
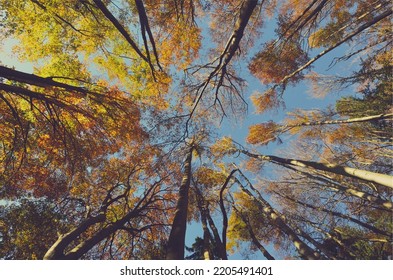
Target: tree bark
207, 254
224, 216
254, 239
338, 214
176, 241
377, 201
277, 219
216, 236
368, 176
353, 120
233, 43
31, 79
56, 251
145, 28
102, 7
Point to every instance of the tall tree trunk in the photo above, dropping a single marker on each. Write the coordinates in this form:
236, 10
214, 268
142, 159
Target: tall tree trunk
176, 241
341, 121
322, 248
56, 251
338, 214
216, 236
232, 45
279, 220
207, 254
368, 176
254, 239
224, 216
102, 7
334, 242
331, 184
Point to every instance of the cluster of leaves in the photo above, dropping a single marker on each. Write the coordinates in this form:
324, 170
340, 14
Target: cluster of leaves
51, 134
28, 228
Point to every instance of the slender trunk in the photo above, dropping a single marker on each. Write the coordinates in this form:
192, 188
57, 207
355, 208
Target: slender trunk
304, 250
227, 54
338, 214
15, 75
83, 247
254, 239
207, 254
145, 28
345, 39
224, 215
102, 7
322, 248
336, 245
279, 220
352, 120
314, 13
377, 201
216, 236
56, 251
368, 176
176, 241
232, 45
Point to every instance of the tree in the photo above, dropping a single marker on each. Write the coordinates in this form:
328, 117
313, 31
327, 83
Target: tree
253, 237
28, 227
263, 133
121, 134
177, 236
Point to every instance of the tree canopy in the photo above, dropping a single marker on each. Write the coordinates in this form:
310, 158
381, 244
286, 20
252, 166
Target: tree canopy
266, 124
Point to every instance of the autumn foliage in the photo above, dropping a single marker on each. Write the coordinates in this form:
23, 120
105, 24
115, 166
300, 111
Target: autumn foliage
274, 63
123, 122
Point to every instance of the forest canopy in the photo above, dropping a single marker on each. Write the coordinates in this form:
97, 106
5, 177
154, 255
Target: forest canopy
193, 129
